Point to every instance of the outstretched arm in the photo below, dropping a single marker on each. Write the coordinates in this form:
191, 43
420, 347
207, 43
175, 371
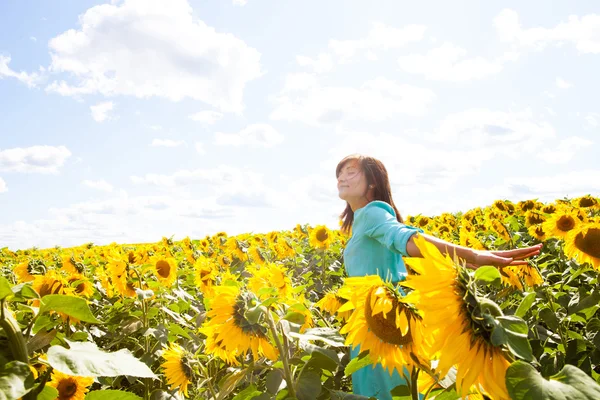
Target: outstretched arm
476, 258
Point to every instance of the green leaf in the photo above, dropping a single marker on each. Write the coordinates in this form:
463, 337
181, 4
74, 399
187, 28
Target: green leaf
525, 305
47, 393
111, 395
85, 359
16, 380
488, 275
308, 386
248, 393
523, 382
295, 317
357, 363
328, 335
586, 302
75, 307
273, 381
339, 395
515, 331
5, 289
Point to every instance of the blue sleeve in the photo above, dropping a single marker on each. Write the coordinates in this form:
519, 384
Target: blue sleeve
383, 226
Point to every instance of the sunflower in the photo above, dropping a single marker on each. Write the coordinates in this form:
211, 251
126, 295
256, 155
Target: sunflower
537, 231
257, 255
50, 283
27, 270
320, 237
331, 303
383, 324
549, 209
71, 265
271, 275
500, 229
533, 218
586, 202
423, 221
513, 274
470, 240
80, 285
70, 387
560, 224
165, 269
206, 274
215, 347
284, 249
452, 313
177, 368
235, 248
583, 243
501, 206
22, 272
235, 324
224, 261
526, 205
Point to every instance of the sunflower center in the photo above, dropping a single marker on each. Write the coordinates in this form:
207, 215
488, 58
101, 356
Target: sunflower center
66, 389
187, 370
384, 327
590, 242
536, 218
565, 223
587, 202
528, 205
131, 257
241, 322
540, 231
549, 209
163, 268
322, 235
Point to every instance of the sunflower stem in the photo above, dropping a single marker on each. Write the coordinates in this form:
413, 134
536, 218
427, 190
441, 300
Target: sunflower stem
284, 356
414, 385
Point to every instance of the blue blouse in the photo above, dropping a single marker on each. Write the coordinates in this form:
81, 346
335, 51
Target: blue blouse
376, 247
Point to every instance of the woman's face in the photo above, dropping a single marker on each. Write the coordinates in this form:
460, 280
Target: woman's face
352, 182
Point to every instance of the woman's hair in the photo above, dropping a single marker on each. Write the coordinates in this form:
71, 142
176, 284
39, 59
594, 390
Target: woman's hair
377, 175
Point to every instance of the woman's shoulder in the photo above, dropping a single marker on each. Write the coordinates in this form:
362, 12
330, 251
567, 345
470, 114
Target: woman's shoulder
378, 207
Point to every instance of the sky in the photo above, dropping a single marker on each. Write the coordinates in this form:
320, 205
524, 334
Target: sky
128, 121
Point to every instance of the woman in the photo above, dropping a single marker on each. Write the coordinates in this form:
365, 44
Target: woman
380, 240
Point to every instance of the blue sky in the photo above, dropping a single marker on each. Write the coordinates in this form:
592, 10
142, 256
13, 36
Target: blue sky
127, 121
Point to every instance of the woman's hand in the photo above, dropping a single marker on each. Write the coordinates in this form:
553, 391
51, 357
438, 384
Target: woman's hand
503, 258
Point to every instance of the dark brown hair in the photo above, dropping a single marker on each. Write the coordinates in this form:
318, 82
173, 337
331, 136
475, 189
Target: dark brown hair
376, 175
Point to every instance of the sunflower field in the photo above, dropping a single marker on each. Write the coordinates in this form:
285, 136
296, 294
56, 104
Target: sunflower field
273, 316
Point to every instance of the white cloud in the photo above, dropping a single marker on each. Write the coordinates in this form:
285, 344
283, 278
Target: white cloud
30, 79
254, 136
208, 117
562, 84
380, 37
448, 63
299, 81
592, 120
376, 100
3, 187
323, 63
240, 2
166, 143
508, 133
41, 159
583, 33
549, 188
148, 48
564, 151
200, 148
101, 111
33, 38
101, 185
